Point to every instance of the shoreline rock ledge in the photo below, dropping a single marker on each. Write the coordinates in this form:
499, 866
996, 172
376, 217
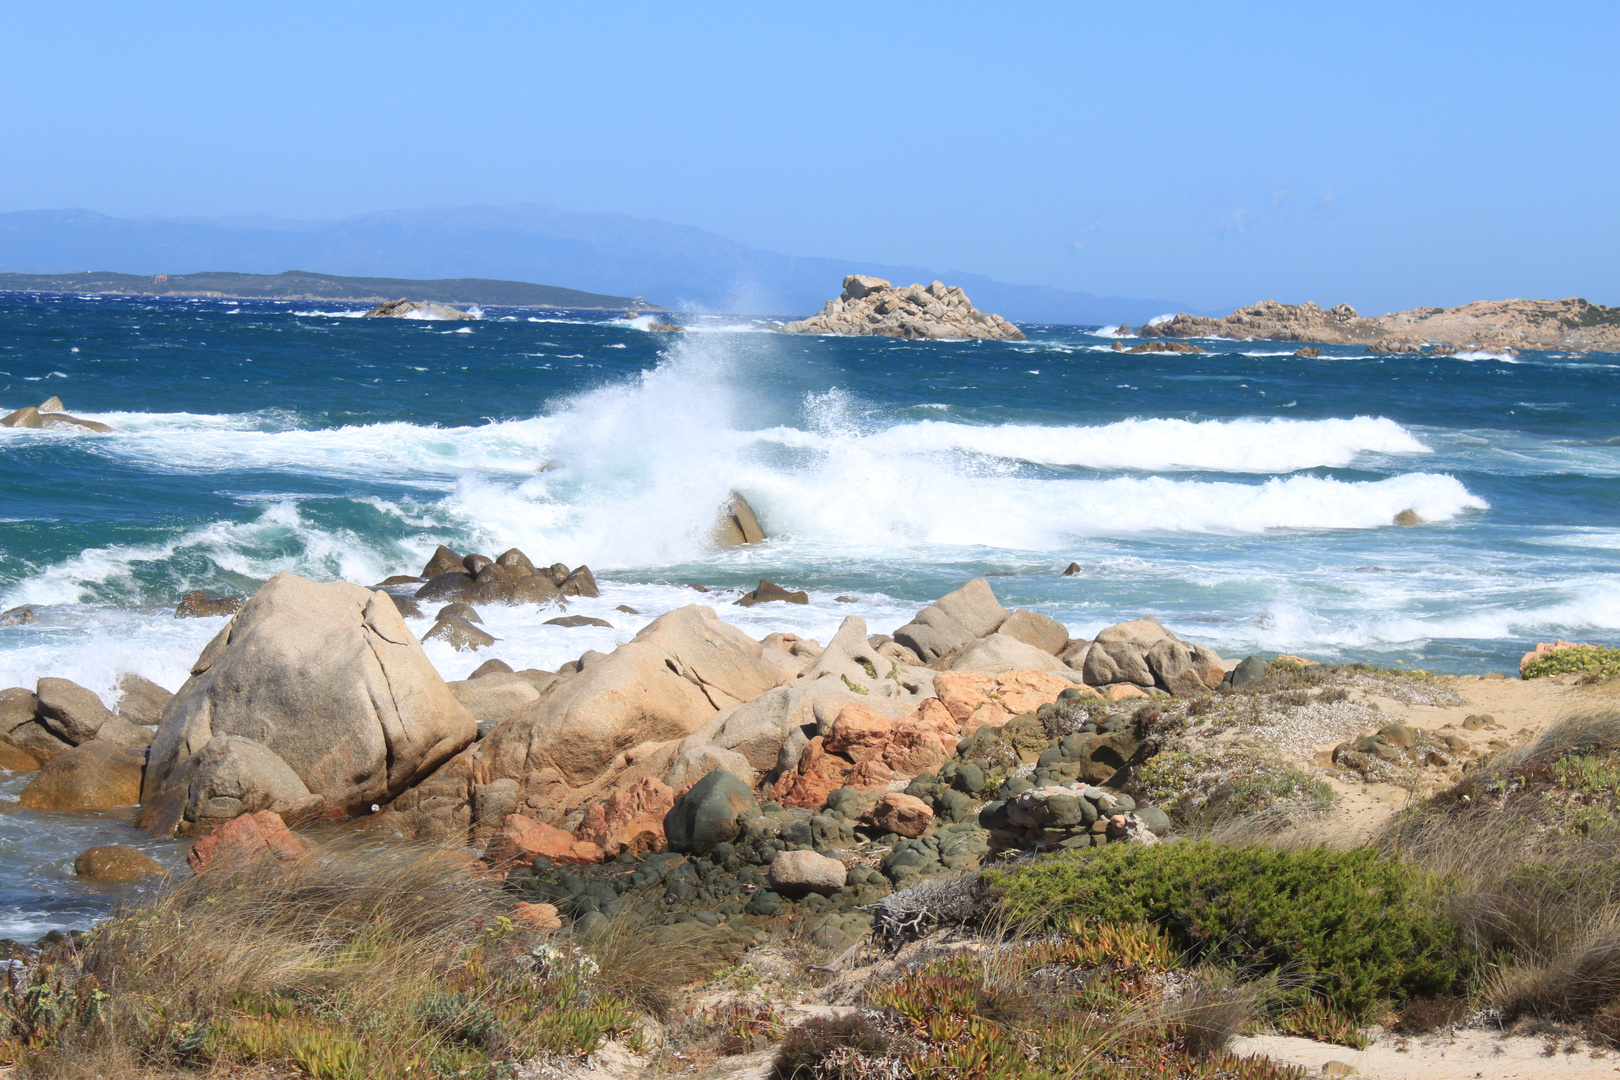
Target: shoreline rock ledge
871, 306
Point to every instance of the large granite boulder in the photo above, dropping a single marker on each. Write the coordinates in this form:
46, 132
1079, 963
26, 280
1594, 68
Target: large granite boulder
871, 306
326, 677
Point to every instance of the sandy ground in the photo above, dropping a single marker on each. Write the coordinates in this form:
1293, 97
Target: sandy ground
1521, 709
1463, 1056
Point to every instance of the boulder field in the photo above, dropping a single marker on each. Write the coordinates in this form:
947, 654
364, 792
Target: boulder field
972, 728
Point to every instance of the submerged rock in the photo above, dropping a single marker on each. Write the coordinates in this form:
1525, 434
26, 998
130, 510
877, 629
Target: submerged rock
116, 864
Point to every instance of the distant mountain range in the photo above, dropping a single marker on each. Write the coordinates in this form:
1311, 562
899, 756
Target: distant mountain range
673, 266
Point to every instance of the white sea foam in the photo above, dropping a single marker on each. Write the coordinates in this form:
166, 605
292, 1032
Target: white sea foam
1244, 446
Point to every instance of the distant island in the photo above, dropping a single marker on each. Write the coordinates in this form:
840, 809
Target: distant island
303, 285
1484, 324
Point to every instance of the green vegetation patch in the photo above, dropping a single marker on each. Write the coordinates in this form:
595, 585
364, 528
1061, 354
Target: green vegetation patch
1353, 926
1582, 659
1590, 314
1228, 781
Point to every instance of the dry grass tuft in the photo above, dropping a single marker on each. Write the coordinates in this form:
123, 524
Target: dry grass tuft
348, 964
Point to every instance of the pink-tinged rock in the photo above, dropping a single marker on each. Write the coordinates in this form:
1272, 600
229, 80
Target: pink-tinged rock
245, 840
900, 813
858, 733
630, 820
522, 840
919, 747
537, 916
961, 692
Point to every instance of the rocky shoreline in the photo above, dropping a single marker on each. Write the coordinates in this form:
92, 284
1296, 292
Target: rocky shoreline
691, 770
1490, 325
726, 798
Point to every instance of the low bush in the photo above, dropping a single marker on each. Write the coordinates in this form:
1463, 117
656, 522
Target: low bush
1353, 926
1092, 1003
1582, 660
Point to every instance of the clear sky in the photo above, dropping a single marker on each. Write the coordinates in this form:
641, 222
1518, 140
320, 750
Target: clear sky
1385, 154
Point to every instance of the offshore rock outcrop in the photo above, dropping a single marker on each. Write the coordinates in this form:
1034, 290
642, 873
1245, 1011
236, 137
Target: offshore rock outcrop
417, 309
871, 306
1497, 325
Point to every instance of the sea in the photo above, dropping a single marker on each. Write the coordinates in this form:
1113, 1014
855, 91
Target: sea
1245, 496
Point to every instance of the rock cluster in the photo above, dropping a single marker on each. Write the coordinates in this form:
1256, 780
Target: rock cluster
51, 415
88, 757
1495, 325
871, 306
693, 770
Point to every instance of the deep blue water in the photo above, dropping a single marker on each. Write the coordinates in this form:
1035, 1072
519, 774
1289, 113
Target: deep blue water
1246, 496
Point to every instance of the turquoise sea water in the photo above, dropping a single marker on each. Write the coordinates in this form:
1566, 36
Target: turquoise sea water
1245, 497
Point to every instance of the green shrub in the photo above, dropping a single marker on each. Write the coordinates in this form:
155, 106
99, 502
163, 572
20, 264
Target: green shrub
1582, 659
1350, 925
1228, 782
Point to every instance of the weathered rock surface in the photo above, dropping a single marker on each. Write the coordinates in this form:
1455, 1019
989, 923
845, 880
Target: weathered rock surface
93, 776
665, 684
330, 680
522, 840
493, 696
871, 306
231, 776
629, 819
899, 813
416, 309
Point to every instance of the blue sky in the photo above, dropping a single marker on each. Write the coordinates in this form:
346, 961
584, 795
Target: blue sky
1383, 154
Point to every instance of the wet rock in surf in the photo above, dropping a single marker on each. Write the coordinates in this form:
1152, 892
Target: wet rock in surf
573, 621
738, 524
444, 561
871, 306
199, 605
769, 592
116, 864
459, 634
